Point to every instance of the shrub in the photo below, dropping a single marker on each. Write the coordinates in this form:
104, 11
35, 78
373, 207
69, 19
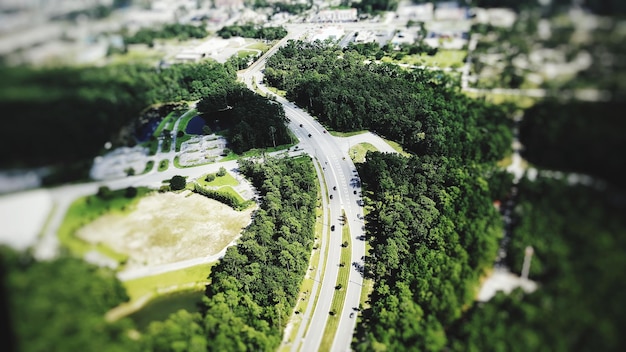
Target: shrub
209, 177
221, 172
131, 192
177, 183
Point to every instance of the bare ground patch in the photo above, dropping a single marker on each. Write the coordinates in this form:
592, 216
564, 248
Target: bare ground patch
167, 228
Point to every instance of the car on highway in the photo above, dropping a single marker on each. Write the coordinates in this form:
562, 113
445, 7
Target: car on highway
300, 125
309, 135
334, 188
331, 196
332, 227
352, 315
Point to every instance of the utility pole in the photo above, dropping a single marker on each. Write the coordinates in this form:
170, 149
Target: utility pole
528, 255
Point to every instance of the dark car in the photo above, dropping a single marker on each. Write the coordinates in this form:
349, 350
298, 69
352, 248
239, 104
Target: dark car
331, 196
332, 227
309, 135
334, 188
300, 125
352, 315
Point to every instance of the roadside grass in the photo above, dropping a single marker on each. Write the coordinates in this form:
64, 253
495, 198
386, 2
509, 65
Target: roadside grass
181, 140
256, 152
346, 134
85, 210
143, 286
277, 91
357, 152
397, 147
368, 283
259, 46
163, 164
340, 294
246, 53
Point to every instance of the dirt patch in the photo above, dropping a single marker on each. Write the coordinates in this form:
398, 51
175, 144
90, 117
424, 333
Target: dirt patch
167, 228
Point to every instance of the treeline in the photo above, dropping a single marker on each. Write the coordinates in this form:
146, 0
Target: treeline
422, 110
64, 115
293, 8
251, 121
59, 305
579, 237
373, 51
252, 31
584, 137
254, 287
169, 31
221, 196
433, 232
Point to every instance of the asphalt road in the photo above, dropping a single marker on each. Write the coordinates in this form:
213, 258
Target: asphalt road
338, 171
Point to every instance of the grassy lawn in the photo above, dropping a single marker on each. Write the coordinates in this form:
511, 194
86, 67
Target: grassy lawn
340, 295
258, 45
357, 152
443, 58
219, 181
163, 164
520, 101
246, 53
138, 288
85, 210
277, 91
181, 140
347, 134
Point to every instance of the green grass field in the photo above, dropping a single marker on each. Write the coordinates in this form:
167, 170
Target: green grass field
164, 164
246, 53
138, 288
219, 181
347, 134
357, 152
166, 120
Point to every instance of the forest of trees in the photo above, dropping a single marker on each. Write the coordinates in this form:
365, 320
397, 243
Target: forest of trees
433, 231
252, 31
579, 237
422, 110
560, 136
252, 121
59, 305
169, 31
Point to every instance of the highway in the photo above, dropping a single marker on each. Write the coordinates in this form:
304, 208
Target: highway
338, 171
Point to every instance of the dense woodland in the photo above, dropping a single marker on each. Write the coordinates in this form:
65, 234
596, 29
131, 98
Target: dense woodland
252, 31
169, 31
251, 120
422, 110
579, 237
59, 305
583, 137
433, 231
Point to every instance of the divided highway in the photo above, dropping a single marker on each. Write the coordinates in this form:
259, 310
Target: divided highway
343, 184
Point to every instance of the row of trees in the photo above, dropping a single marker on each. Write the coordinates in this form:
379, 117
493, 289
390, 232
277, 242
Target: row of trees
422, 110
252, 31
169, 31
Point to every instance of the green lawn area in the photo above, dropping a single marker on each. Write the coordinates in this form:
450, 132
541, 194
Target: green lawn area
346, 134
340, 294
443, 59
397, 147
219, 181
85, 210
138, 288
149, 166
163, 164
246, 53
258, 45
181, 140
357, 152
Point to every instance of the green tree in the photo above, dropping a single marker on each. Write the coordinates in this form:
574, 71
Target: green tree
177, 183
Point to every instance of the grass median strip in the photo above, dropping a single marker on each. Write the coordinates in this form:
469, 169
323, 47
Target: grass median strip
336, 307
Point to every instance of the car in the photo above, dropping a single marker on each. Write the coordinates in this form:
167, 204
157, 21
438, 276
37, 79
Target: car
332, 227
355, 191
300, 125
334, 188
309, 135
324, 131
352, 315
331, 196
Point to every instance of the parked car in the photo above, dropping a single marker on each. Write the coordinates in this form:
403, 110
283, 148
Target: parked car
332, 227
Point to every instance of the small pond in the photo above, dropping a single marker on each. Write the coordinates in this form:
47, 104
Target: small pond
146, 130
161, 307
195, 125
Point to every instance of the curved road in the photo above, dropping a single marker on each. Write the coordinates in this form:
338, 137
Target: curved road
338, 171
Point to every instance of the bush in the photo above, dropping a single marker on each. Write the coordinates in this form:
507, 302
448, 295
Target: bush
104, 192
177, 183
131, 192
221, 172
209, 177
